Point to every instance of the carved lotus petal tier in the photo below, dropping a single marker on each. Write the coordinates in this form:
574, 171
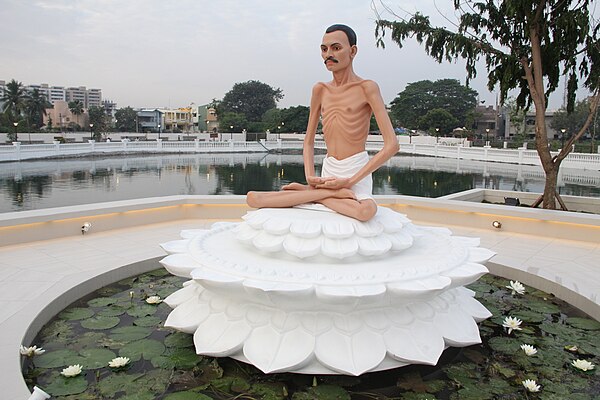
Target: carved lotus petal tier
296, 290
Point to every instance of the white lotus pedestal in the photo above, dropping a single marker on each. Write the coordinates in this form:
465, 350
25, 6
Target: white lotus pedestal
296, 290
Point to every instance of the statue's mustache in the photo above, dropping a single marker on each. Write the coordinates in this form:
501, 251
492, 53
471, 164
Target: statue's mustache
330, 58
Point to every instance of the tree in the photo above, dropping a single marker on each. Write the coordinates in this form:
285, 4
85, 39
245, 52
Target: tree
227, 120
527, 45
572, 122
295, 118
76, 108
13, 100
126, 118
251, 98
438, 118
418, 98
35, 107
98, 119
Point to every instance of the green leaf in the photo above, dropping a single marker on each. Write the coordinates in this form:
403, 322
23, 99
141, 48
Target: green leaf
179, 339
129, 333
58, 358
76, 314
267, 390
62, 386
114, 310
101, 302
117, 382
100, 322
177, 358
322, 392
96, 358
148, 321
584, 323
505, 344
141, 310
146, 348
187, 396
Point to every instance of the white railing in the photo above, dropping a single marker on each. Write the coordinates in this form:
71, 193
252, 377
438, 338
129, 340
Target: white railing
18, 151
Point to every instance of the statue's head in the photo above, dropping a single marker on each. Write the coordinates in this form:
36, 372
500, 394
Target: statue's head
338, 47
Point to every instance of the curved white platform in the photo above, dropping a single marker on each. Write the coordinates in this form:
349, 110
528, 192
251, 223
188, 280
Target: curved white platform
297, 290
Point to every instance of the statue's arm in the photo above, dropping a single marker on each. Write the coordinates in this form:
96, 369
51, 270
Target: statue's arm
308, 149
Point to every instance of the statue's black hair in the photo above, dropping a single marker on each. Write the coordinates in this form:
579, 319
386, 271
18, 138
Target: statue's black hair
346, 29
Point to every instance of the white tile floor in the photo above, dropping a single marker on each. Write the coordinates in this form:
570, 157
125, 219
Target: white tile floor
33, 274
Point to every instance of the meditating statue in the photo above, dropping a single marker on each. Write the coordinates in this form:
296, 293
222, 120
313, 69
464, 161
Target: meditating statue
320, 279
345, 105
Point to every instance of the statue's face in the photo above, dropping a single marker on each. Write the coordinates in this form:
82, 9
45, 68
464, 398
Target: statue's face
336, 51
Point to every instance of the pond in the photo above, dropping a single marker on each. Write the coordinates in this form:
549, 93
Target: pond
118, 321
63, 182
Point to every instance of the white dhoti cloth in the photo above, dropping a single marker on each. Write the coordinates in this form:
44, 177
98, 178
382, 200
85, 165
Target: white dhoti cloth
346, 168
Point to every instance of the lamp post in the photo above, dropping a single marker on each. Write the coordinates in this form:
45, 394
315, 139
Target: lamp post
230, 132
91, 131
16, 134
437, 132
487, 132
159, 131
207, 121
562, 138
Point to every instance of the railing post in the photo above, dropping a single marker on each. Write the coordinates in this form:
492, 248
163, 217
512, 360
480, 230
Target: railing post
521, 151
458, 151
279, 143
159, 145
17, 150
485, 153
56, 144
92, 146
231, 144
197, 145
436, 150
125, 143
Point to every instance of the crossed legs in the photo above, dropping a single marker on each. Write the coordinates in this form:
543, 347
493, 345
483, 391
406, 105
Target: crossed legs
342, 201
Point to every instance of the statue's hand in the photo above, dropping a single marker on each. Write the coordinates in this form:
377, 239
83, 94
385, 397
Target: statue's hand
335, 183
315, 181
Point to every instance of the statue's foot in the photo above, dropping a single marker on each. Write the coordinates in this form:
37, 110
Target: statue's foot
295, 186
344, 194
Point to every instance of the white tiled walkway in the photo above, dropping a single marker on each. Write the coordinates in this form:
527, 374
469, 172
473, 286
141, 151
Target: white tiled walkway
34, 273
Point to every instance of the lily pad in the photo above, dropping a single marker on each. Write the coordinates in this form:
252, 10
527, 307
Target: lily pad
187, 396
505, 344
101, 302
322, 392
179, 339
99, 322
76, 314
542, 306
115, 383
141, 310
114, 310
177, 358
148, 321
146, 348
96, 358
58, 330
62, 386
128, 334
584, 323
144, 395
58, 358
269, 390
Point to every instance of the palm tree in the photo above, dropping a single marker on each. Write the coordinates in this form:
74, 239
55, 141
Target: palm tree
36, 106
13, 99
76, 107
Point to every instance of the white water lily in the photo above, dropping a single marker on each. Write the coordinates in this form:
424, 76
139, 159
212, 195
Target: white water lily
572, 348
513, 324
516, 287
31, 351
153, 300
118, 362
531, 385
71, 371
528, 349
583, 365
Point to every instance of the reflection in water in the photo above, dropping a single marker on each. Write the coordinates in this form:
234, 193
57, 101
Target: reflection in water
53, 183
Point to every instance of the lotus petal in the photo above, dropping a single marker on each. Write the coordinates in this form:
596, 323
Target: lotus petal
457, 328
368, 229
467, 241
352, 355
301, 247
340, 248
329, 293
277, 226
219, 337
373, 246
272, 351
338, 229
305, 228
180, 264
424, 286
188, 316
268, 242
176, 246
475, 309
245, 233
420, 343
466, 273
480, 255
214, 278
400, 240
183, 295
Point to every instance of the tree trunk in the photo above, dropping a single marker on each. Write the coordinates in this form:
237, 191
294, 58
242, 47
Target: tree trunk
550, 186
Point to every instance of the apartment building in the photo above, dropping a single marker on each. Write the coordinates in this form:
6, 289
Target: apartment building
177, 120
88, 97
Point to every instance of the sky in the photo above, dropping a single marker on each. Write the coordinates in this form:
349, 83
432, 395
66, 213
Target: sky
157, 53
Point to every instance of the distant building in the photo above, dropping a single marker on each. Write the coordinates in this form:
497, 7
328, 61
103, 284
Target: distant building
62, 117
110, 108
149, 120
207, 119
88, 97
177, 120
